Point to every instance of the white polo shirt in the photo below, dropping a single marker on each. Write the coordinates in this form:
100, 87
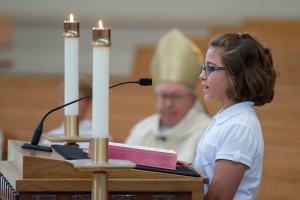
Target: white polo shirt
234, 134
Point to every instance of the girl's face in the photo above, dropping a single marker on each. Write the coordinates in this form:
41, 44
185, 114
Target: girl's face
216, 84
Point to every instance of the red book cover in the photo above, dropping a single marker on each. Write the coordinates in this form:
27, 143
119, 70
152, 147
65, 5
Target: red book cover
140, 155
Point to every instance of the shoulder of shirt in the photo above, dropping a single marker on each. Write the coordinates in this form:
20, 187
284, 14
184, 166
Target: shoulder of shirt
147, 122
141, 128
238, 109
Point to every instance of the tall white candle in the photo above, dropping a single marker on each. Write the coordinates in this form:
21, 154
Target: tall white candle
71, 74
100, 112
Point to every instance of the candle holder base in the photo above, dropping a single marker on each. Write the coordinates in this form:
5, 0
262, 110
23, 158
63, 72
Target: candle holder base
88, 165
72, 144
100, 172
64, 138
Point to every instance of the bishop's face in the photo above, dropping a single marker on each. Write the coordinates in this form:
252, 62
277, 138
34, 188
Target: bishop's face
173, 101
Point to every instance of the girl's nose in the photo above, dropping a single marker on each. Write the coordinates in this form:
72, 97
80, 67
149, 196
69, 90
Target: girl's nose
202, 75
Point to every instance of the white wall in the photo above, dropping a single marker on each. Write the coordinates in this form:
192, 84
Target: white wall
38, 26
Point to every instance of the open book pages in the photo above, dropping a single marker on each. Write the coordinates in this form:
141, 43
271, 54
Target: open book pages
140, 155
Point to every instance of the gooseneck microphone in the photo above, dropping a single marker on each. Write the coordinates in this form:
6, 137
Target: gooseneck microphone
39, 129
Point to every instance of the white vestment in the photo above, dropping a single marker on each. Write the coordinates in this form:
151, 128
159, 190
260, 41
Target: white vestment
182, 138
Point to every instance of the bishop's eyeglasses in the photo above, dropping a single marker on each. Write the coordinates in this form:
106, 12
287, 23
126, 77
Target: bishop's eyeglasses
209, 69
173, 97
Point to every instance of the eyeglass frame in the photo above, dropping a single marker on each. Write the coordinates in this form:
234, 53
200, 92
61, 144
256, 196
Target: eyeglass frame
211, 69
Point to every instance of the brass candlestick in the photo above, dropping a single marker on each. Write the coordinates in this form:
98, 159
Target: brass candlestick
99, 155
71, 128
99, 165
71, 29
72, 125
101, 37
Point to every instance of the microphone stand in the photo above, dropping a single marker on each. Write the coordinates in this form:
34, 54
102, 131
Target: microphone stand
39, 129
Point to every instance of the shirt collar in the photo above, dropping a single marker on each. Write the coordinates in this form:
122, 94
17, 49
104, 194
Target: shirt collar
232, 111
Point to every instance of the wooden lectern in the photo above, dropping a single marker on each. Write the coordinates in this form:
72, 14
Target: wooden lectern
30, 174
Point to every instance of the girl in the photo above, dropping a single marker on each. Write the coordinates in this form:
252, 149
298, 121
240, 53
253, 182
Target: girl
239, 74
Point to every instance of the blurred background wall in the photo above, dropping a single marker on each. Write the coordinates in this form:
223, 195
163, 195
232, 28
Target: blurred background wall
37, 43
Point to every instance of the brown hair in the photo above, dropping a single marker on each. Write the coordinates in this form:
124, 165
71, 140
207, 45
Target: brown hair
249, 66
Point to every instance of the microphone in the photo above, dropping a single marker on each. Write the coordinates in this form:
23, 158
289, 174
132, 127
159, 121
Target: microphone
39, 129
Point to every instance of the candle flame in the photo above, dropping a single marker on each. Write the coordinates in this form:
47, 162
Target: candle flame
100, 24
71, 17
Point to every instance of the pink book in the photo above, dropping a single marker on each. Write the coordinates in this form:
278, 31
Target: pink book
140, 155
